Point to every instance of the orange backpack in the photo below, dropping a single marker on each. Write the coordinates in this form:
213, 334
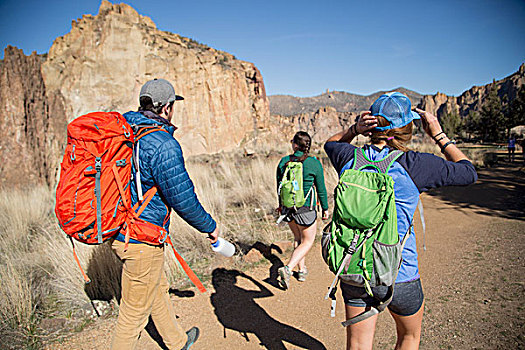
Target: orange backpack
93, 198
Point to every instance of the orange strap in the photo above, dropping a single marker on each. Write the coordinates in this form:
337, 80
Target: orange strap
120, 186
152, 129
86, 278
193, 277
147, 198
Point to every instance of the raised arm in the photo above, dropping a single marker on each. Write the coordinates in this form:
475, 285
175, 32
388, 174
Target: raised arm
363, 125
434, 130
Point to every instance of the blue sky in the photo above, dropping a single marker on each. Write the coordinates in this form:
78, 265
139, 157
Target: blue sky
305, 47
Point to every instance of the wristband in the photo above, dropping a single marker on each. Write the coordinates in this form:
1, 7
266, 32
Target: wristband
441, 138
355, 129
436, 135
446, 145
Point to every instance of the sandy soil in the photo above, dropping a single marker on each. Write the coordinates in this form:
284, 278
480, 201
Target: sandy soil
473, 274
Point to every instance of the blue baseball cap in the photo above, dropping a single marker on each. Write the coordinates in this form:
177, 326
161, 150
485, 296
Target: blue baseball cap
394, 107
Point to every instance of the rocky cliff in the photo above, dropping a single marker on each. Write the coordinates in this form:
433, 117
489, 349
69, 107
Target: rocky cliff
101, 65
331, 112
320, 124
472, 99
341, 101
33, 121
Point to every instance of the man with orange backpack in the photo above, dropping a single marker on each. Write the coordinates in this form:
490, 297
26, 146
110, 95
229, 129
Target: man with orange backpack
157, 162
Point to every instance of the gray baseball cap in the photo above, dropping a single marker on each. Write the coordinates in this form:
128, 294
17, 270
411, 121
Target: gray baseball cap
160, 91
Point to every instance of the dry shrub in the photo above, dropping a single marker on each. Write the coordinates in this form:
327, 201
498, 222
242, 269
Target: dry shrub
23, 263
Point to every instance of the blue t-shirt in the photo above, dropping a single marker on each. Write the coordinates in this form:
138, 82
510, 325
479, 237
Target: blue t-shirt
413, 173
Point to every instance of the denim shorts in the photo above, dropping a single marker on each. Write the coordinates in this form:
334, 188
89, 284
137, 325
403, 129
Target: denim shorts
407, 300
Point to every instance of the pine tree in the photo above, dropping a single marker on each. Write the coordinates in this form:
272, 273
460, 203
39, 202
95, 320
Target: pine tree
452, 124
492, 119
516, 111
472, 124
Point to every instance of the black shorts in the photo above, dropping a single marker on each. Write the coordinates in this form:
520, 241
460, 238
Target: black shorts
407, 300
303, 216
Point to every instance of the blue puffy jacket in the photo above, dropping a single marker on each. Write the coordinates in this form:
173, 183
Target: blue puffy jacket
162, 164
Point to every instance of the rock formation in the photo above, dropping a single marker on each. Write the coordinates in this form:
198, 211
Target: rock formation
472, 99
339, 100
33, 121
101, 65
334, 109
320, 124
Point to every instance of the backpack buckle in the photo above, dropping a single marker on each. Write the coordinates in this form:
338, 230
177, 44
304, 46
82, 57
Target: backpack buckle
126, 132
121, 162
98, 164
352, 247
72, 155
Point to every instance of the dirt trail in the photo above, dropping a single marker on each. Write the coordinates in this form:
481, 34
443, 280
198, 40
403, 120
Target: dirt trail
473, 275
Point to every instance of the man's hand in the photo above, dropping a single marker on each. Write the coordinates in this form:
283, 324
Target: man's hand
214, 236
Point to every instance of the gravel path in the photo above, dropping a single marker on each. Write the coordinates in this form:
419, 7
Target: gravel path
473, 275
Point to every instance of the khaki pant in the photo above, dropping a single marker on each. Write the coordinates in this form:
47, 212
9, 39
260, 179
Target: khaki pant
144, 293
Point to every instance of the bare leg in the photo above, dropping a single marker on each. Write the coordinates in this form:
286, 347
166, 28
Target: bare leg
296, 241
408, 330
360, 336
307, 237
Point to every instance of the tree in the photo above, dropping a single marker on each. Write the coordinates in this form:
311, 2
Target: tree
492, 119
452, 124
516, 112
472, 124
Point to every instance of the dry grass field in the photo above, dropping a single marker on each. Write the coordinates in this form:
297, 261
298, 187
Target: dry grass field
40, 280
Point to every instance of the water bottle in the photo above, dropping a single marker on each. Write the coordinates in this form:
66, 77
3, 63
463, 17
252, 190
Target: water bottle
223, 247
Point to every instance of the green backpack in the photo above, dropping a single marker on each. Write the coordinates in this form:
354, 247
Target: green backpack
290, 189
361, 245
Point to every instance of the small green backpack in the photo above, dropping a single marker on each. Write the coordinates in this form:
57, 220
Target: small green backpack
361, 245
290, 190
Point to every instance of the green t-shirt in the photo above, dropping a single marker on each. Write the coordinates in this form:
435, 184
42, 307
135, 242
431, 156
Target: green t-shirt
312, 175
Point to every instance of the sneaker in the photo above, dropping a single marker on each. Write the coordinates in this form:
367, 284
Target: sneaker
301, 275
193, 335
284, 274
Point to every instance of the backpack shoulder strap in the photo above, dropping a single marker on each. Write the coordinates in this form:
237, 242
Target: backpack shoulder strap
143, 131
383, 165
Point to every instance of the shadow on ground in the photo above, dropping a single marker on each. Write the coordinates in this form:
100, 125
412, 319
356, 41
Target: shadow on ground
266, 252
236, 310
499, 191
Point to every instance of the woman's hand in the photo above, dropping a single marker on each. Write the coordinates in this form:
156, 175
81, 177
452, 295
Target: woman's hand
430, 122
365, 123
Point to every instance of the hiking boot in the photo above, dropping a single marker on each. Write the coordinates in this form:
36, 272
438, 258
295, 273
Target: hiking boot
284, 275
301, 275
193, 335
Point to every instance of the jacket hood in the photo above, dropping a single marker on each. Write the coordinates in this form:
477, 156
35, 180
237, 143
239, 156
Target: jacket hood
141, 118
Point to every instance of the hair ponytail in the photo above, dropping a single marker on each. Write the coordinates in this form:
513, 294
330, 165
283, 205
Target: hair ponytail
303, 140
394, 138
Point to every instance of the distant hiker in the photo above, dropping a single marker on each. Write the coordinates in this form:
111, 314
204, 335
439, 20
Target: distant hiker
389, 123
297, 174
158, 161
511, 147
